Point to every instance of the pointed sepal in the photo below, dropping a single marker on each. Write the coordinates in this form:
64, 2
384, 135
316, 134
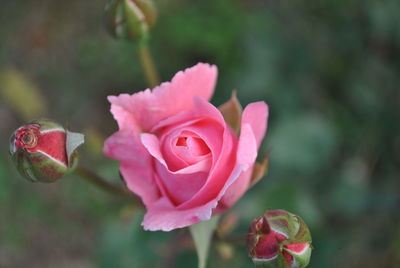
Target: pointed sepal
259, 171
202, 233
232, 112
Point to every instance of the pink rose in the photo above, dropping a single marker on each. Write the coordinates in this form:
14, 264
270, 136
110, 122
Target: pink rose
178, 153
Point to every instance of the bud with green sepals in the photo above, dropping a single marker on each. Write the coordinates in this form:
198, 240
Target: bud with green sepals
279, 239
44, 151
130, 19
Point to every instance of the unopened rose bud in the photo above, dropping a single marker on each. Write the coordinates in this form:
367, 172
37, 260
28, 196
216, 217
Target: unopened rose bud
44, 151
130, 19
279, 239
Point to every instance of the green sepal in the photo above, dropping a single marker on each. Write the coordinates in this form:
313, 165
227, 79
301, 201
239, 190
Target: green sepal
48, 124
38, 167
291, 225
202, 234
72, 142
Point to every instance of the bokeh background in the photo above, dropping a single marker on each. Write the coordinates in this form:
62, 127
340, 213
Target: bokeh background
329, 70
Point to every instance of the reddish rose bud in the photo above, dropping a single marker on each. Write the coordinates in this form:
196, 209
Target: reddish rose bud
279, 239
44, 151
130, 19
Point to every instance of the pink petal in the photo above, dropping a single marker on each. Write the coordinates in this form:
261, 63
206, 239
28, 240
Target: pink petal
223, 162
210, 129
197, 147
253, 128
135, 164
178, 186
209, 132
152, 144
203, 108
124, 118
180, 156
234, 192
164, 216
192, 152
246, 156
247, 148
147, 108
256, 115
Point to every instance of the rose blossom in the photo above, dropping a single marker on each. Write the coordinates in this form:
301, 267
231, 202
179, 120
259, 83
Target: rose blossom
178, 153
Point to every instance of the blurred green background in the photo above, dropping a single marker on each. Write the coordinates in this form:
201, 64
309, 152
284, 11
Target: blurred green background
329, 70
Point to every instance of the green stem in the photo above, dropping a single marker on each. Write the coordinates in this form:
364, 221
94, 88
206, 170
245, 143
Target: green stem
98, 181
148, 65
202, 234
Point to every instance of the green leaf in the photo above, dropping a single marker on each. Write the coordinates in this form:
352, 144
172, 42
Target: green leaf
202, 233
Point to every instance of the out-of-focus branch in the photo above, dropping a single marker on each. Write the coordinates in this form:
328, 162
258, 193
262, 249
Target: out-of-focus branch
98, 181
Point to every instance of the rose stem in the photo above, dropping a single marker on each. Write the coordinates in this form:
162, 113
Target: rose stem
96, 180
148, 65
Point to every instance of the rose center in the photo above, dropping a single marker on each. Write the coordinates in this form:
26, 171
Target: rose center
195, 146
29, 139
181, 141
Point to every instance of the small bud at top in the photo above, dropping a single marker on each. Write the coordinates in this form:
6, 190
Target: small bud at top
279, 239
130, 19
44, 151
